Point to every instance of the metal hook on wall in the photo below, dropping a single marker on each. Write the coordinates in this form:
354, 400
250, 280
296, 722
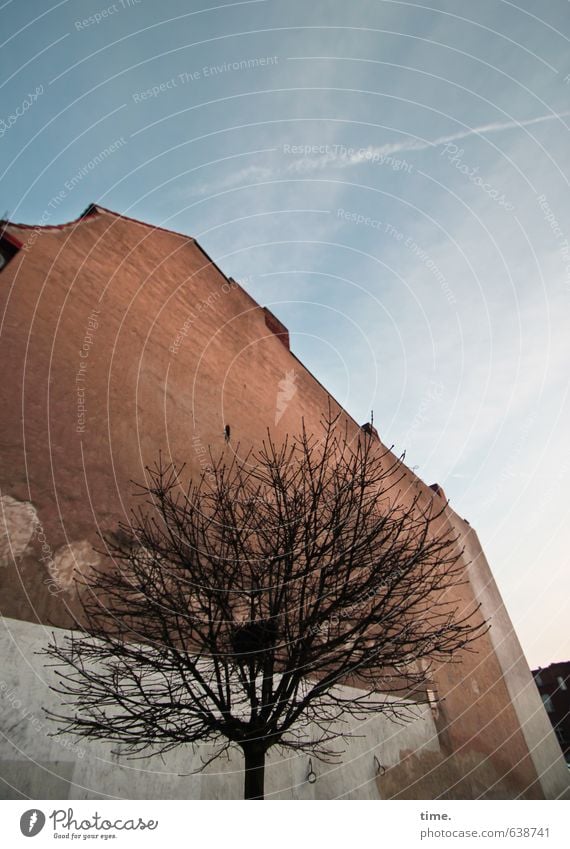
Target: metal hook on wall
378, 768
311, 775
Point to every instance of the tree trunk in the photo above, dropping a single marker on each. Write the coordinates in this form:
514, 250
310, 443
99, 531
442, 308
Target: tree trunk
254, 755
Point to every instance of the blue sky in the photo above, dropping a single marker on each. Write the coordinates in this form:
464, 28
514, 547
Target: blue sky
390, 177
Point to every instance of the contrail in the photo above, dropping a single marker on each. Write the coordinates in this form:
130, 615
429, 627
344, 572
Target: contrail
365, 154
485, 128
377, 152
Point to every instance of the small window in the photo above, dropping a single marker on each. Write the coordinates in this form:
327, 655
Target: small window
8, 248
561, 683
547, 702
560, 734
537, 679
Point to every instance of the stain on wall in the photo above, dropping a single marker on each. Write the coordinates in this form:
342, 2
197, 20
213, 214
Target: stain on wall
18, 523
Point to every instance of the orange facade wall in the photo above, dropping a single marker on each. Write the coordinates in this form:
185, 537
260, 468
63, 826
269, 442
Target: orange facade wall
118, 340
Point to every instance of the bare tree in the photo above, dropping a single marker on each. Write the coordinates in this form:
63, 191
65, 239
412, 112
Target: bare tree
280, 594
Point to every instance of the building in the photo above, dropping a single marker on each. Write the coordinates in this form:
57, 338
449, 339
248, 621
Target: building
117, 339
553, 684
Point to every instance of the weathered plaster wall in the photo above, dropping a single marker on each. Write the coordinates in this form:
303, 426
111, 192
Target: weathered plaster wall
38, 766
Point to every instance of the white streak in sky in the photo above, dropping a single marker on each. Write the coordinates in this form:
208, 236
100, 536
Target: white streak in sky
376, 153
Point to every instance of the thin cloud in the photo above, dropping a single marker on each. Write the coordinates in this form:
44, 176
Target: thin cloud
373, 153
377, 153
252, 173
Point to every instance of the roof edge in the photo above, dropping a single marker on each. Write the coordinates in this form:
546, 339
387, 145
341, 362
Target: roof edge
91, 209
6, 222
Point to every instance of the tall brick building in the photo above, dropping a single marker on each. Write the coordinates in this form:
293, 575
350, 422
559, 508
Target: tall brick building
119, 339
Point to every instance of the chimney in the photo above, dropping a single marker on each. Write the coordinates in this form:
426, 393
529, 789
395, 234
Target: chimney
273, 323
438, 490
370, 430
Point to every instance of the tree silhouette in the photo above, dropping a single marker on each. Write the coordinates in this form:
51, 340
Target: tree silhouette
264, 603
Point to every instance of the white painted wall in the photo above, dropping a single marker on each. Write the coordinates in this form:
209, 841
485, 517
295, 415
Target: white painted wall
38, 766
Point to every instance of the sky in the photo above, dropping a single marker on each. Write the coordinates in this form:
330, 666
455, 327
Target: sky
390, 178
